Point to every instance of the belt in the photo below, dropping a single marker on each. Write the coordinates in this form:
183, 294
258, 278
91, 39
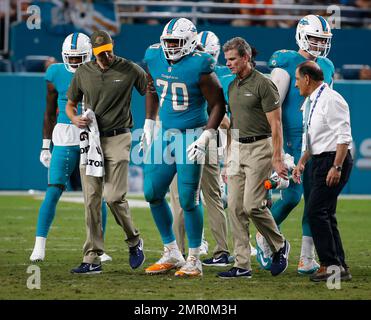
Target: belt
114, 132
252, 139
324, 154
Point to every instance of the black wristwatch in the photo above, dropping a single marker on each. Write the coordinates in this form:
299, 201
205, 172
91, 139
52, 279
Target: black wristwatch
337, 168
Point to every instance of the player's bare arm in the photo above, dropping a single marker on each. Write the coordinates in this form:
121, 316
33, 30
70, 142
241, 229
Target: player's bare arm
213, 93
50, 114
274, 119
151, 99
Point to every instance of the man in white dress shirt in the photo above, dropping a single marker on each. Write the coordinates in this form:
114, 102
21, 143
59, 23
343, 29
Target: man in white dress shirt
327, 140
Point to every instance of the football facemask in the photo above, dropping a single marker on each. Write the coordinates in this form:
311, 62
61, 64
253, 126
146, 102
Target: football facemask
76, 50
313, 35
178, 39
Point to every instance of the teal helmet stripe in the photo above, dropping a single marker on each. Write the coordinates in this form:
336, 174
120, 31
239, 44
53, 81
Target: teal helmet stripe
323, 23
74, 40
204, 37
171, 25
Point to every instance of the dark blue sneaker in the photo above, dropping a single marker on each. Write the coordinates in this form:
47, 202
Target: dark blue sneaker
222, 261
280, 259
235, 273
136, 257
87, 268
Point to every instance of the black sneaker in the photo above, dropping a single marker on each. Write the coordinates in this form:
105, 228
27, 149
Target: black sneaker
136, 255
87, 268
235, 273
320, 275
280, 259
323, 274
222, 261
345, 274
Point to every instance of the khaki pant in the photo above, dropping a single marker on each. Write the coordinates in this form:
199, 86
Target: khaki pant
248, 166
211, 191
116, 151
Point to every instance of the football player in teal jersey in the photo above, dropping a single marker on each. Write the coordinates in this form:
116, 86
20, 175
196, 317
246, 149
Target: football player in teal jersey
211, 44
313, 36
58, 128
183, 82
210, 182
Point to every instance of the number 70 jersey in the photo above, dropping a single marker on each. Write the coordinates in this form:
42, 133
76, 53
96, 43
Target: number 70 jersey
181, 103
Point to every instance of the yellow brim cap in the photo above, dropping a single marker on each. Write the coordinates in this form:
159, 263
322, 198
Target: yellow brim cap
106, 47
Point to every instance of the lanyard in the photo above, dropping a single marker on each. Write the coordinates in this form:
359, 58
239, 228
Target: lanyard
315, 103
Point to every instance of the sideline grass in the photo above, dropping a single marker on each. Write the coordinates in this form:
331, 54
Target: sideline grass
18, 216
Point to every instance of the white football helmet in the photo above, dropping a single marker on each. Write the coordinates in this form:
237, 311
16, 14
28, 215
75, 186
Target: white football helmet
210, 42
76, 45
314, 26
182, 32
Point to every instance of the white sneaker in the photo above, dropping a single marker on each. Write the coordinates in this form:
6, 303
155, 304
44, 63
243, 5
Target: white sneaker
193, 268
263, 245
253, 251
171, 259
105, 257
204, 248
38, 253
263, 252
307, 265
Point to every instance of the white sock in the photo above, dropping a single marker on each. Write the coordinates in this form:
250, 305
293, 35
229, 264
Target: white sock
40, 244
172, 245
307, 247
194, 252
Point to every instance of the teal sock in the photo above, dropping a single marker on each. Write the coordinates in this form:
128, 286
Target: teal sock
193, 220
104, 217
164, 220
47, 211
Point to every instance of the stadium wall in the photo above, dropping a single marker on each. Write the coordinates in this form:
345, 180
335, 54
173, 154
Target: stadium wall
23, 104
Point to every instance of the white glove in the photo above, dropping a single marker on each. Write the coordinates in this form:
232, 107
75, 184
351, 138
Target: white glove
197, 150
45, 155
289, 161
148, 134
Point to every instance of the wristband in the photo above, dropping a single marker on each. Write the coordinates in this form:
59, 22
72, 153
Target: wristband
46, 144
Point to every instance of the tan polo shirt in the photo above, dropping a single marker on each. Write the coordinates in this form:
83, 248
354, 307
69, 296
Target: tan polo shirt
249, 100
108, 92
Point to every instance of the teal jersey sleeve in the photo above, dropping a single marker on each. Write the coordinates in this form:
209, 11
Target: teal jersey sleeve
225, 78
207, 62
50, 73
222, 71
151, 53
281, 59
328, 69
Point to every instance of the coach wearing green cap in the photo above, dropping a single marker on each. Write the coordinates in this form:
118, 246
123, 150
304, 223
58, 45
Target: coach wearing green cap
106, 85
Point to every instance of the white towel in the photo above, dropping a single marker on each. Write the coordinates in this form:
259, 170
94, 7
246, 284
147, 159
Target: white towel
91, 153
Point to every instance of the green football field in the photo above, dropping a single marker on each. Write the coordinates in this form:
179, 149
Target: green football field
18, 216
